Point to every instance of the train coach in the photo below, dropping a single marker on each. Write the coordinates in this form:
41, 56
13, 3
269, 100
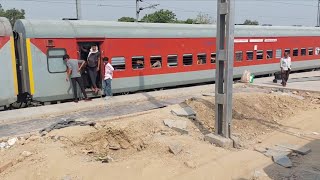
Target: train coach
147, 56
8, 74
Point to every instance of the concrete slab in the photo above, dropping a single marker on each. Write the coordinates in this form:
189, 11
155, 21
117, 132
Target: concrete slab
219, 140
177, 125
181, 131
296, 149
274, 153
307, 81
183, 112
282, 161
175, 148
260, 149
209, 94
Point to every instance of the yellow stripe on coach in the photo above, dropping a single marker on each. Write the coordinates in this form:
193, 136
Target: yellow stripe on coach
14, 66
30, 66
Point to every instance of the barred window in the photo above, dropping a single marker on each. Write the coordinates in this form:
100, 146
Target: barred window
138, 62
269, 54
172, 60
187, 59
239, 56
118, 63
156, 61
202, 58
55, 61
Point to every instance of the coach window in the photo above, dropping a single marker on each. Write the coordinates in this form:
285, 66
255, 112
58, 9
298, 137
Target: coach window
269, 54
278, 53
187, 59
55, 61
317, 51
239, 56
213, 58
310, 51
202, 58
259, 54
287, 51
295, 52
138, 62
156, 61
172, 60
303, 52
118, 63
249, 55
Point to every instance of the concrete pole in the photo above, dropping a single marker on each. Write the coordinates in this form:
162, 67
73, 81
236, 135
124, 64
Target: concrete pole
318, 15
78, 8
224, 67
137, 10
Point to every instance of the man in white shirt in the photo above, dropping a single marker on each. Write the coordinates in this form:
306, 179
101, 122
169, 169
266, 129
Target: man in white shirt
285, 65
108, 73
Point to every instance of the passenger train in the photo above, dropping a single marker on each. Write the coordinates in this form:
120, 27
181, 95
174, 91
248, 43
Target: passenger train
32, 68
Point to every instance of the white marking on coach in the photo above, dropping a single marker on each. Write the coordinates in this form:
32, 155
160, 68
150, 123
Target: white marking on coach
271, 40
256, 40
241, 40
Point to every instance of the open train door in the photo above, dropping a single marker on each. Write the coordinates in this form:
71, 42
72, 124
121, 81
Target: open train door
84, 46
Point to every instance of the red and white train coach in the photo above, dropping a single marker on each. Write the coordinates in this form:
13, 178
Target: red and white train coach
185, 54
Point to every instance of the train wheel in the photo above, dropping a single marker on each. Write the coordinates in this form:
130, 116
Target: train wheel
125, 93
17, 105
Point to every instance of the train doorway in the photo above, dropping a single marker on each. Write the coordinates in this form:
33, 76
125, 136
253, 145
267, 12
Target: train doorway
84, 50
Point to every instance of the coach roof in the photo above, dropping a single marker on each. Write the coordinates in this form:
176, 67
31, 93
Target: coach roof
102, 29
5, 27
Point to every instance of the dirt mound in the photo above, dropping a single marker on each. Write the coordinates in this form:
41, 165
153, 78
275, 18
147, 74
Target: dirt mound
119, 139
103, 142
253, 113
268, 107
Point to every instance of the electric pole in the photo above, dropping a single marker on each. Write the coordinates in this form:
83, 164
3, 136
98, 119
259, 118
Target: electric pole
224, 67
318, 16
78, 9
139, 9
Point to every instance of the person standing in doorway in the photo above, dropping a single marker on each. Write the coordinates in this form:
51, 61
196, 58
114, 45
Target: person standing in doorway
285, 65
94, 66
107, 77
73, 72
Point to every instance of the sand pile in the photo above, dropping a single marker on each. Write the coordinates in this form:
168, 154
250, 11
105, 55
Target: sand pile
253, 113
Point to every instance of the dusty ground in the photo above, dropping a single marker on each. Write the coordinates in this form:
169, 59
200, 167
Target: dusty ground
139, 144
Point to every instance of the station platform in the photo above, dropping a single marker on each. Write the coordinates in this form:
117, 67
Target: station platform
50, 111
307, 81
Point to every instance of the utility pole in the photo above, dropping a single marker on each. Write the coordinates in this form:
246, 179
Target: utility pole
139, 9
78, 9
224, 67
318, 16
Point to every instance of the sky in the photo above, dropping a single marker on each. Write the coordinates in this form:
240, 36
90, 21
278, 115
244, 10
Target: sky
275, 12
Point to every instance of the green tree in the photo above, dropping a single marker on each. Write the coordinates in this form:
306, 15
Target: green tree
204, 19
250, 22
161, 16
189, 21
126, 19
12, 14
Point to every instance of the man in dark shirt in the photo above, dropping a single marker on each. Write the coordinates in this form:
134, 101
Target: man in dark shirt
94, 66
74, 72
